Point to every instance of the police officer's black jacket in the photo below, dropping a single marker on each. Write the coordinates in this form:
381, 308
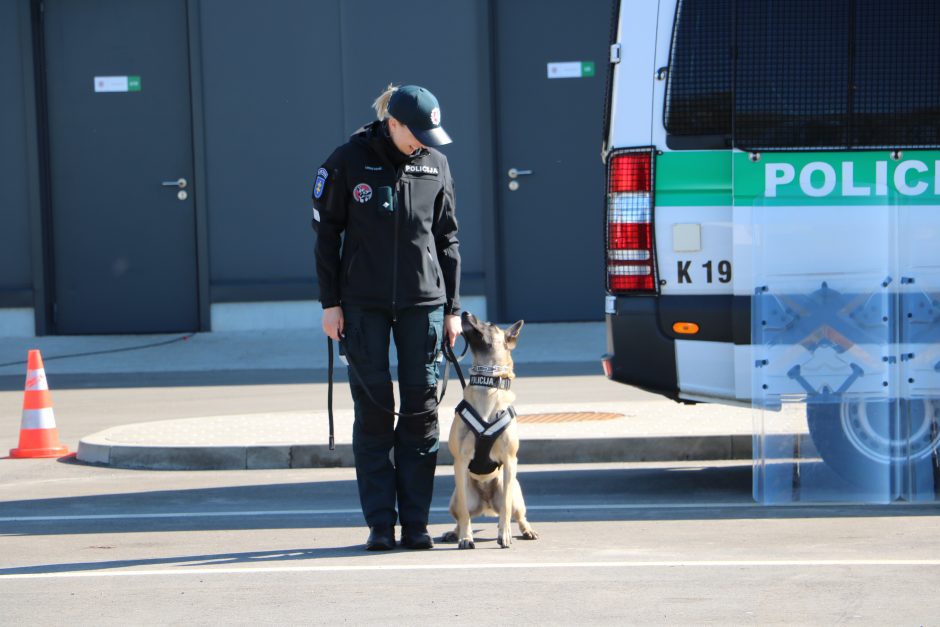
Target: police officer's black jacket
397, 212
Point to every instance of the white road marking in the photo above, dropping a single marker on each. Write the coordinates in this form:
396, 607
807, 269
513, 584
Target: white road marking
489, 566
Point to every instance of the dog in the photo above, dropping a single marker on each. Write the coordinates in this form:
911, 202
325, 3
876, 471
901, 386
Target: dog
485, 480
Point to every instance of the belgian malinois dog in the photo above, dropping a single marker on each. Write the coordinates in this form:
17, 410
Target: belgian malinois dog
484, 438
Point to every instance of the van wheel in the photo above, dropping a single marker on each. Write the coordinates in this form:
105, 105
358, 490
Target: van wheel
863, 440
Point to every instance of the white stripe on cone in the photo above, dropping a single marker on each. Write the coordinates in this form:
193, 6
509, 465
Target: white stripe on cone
36, 380
38, 418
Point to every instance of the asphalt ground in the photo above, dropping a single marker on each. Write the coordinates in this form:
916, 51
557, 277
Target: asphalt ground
652, 543
672, 541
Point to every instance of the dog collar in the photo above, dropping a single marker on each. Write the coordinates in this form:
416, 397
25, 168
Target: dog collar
487, 381
491, 370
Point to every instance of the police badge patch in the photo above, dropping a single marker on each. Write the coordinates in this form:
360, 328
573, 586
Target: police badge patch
321, 183
362, 192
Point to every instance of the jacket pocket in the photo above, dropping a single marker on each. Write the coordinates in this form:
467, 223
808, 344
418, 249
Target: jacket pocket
385, 200
435, 266
350, 264
432, 345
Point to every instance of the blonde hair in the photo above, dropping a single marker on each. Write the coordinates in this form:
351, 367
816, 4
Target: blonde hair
381, 103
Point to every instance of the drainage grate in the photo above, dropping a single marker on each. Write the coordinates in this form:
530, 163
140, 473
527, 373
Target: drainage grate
580, 416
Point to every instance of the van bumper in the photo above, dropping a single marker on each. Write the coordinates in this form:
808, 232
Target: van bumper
638, 352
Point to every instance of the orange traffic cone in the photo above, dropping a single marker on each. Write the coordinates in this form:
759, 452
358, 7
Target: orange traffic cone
38, 434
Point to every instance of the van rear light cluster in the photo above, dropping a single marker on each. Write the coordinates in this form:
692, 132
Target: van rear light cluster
631, 264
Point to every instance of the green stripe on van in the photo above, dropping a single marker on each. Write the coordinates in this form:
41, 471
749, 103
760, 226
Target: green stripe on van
704, 178
910, 177
693, 179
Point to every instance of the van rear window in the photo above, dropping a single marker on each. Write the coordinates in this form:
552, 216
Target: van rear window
802, 74
698, 92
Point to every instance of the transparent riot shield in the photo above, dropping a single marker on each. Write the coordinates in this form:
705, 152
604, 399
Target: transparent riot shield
837, 245
918, 355
845, 328
822, 328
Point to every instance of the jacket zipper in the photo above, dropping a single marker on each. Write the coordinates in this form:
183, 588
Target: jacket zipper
397, 219
398, 209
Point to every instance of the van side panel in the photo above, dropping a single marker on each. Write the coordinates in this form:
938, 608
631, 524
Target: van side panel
632, 90
706, 370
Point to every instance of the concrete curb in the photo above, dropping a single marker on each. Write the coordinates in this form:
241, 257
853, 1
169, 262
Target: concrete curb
539, 451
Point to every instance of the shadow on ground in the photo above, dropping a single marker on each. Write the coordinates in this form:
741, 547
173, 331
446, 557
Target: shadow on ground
594, 494
66, 381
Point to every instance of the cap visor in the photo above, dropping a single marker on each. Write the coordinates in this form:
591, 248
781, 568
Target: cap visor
436, 136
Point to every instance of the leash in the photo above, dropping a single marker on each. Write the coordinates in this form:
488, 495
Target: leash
449, 358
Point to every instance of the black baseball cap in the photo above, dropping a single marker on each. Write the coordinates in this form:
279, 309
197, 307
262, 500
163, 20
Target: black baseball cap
418, 109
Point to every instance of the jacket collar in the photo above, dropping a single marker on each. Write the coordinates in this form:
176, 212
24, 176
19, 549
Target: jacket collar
375, 135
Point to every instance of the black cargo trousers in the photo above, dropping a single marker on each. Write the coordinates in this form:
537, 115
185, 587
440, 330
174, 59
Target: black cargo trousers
409, 476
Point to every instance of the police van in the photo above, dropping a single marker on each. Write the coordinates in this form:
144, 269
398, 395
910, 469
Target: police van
773, 226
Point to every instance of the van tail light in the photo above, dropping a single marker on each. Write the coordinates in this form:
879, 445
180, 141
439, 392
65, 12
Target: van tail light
631, 262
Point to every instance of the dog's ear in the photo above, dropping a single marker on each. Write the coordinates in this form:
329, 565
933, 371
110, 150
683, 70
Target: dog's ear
512, 334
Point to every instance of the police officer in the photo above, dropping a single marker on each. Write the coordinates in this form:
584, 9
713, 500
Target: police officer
388, 265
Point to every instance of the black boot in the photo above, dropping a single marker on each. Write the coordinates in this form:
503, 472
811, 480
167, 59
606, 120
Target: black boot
381, 538
416, 536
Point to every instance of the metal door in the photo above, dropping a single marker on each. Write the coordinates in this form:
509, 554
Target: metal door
550, 60
121, 165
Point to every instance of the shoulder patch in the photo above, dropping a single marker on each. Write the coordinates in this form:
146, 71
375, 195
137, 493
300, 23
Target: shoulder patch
319, 186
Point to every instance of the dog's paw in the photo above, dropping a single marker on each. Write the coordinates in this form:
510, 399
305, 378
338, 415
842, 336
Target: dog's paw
505, 540
467, 543
529, 534
449, 536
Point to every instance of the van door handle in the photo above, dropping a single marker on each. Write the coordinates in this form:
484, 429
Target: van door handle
179, 183
515, 172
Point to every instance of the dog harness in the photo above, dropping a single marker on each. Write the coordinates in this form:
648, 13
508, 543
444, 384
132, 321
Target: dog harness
486, 434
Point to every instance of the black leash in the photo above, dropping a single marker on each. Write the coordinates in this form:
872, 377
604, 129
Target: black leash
449, 359
449, 355
329, 388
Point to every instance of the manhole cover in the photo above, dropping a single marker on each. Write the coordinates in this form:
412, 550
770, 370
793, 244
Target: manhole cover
579, 416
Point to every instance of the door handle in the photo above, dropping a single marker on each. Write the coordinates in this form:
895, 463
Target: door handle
179, 183
515, 173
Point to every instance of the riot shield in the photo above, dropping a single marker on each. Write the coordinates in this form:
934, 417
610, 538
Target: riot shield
837, 243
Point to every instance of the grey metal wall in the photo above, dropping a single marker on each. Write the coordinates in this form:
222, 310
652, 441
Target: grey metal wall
286, 81
15, 268
445, 47
278, 85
